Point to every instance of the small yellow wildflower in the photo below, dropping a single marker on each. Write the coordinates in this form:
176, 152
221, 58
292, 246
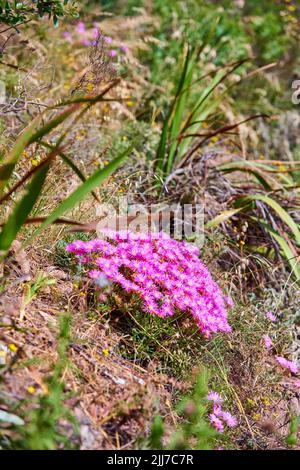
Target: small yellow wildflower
31, 389
130, 103
34, 162
90, 87
282, 168
105, 352
256, 417
291, 18
251, 402
291, 8
13, 347
265, 401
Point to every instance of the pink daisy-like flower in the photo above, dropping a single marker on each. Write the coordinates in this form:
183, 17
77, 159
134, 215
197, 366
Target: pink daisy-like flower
296, 384
290, 365
268, 341
229, 301
94, 274
229, 419
270, 316
216, 422
215, 397
96, 32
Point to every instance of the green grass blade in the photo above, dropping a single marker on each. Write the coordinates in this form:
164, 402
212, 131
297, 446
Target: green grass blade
245, 168
222, 217
22, 209
27, 137
281, 212
53, 123
288, 253
169, 124
70, 163
178, 115
162, 146
12, 158
89, 185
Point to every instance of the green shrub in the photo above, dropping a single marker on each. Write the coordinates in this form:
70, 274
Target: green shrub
13, 13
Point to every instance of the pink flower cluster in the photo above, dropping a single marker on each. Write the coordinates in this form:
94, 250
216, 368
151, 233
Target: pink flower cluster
219, 417
88, 37
290, 365
167, 275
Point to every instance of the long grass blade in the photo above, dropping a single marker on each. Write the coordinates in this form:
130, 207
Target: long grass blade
12, 158
281, 212
89, 185
289, 254
222, 217
71, 164
22, 209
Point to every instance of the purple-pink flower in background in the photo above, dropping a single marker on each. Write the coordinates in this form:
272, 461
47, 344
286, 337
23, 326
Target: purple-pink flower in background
96, 33
67, 36
107, 39
166, 274
123, 48
80, 28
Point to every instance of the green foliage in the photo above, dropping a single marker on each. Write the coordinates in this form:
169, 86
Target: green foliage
292, 437
32, 288
194, 431
14, 13
192, 105
257, 27
263, 32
